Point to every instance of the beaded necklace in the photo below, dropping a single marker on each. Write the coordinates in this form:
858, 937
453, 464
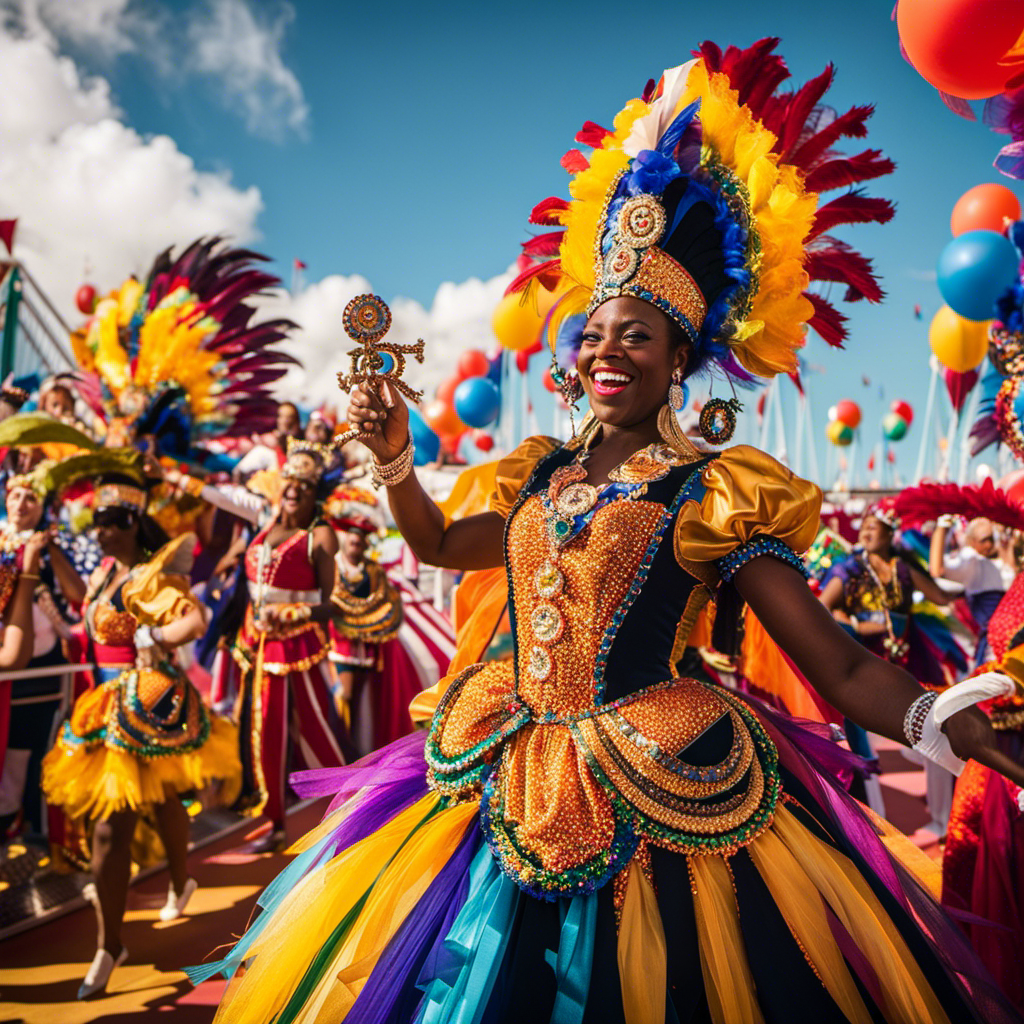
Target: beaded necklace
896, 647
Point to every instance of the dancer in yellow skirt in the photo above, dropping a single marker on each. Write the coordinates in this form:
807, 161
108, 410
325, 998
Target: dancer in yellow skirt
142, 736
584, 834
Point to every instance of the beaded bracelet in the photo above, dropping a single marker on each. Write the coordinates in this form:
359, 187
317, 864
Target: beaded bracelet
394, 472
917, 714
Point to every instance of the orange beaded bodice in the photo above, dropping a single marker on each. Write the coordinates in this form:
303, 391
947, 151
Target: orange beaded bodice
588, 743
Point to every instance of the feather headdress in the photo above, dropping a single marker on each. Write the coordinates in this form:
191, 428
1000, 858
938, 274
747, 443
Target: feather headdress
177, 357
704, 200
919, 504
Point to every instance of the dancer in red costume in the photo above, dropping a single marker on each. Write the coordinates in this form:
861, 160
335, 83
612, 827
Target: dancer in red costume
286, 716
983, 866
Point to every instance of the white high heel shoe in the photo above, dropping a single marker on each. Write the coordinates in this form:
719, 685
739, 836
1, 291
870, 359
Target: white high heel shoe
175, 905
99, 972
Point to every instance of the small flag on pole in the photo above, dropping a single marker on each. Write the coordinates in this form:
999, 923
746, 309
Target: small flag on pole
7, 228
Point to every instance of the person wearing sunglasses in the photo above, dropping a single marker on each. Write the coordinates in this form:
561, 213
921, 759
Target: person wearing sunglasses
142, 737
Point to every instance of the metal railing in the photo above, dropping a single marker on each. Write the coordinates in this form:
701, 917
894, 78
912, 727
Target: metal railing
35, 335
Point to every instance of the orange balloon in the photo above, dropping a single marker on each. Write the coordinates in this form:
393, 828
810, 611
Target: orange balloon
983, 208
958, 344
446, 390
442, 418
518, 318
957, 45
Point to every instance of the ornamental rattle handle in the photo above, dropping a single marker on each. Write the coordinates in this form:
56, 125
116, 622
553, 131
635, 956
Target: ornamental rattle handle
366, 320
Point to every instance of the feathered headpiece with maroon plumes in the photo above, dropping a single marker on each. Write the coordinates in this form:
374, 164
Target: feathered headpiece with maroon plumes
807, 132
704, 200
972, 501
178, 357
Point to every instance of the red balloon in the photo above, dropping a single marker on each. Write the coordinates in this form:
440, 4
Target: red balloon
957, 45
848, 412
983, 208
442, 419
904, 409
482, 440
446, 390
522, 361
85, 299
473, 363
1013, 485
549, 382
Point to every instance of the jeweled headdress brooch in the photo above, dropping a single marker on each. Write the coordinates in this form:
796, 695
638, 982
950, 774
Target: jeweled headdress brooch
305, 460
120, 496
885, 512
703, 200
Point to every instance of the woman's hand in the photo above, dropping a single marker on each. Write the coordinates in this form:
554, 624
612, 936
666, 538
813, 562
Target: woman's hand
34, 546
383, 419
268, 621
971, 735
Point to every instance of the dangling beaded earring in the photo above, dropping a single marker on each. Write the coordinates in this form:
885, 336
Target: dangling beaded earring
678, 392
718, 420
571, 387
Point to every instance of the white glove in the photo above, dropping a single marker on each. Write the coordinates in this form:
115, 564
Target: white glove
933, 743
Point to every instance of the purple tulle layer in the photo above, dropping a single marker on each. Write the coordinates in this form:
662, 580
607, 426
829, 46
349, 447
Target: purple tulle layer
391, 779
390, 994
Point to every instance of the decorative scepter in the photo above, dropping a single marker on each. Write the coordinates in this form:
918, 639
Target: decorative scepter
366, 320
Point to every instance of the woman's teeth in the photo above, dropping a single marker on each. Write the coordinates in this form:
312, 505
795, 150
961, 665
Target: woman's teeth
610, 382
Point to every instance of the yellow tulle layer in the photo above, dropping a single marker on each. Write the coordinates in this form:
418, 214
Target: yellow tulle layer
394, 866
396, 873
97, 781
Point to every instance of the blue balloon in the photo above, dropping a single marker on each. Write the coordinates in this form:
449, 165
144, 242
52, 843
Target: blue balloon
428, 444
477, 401
974, 270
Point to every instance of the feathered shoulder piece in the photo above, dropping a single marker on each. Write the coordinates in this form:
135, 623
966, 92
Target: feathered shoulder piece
919, 504
177, 357
704, 199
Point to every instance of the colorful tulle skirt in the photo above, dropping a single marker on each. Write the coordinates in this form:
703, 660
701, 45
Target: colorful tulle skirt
395, 909
135, 739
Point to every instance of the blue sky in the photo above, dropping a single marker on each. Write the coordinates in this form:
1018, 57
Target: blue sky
432, 130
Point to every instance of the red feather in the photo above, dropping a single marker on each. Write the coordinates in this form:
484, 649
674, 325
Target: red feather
544, 245
827, 321
755, 73
839, 262
592, 135
649, 88
543, 272
803, 101
850, 125
542, 212
574, 161
852, 208
843, 171
929, 501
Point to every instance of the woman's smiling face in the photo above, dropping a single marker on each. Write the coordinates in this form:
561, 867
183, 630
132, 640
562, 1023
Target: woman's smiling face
629, 351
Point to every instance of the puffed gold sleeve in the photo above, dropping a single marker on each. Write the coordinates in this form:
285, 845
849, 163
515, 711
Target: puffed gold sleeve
160, 594
751, 505
514, 470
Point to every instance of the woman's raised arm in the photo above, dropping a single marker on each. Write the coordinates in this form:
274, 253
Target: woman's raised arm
472, 543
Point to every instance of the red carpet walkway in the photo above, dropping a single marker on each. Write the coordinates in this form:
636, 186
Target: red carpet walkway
40, 970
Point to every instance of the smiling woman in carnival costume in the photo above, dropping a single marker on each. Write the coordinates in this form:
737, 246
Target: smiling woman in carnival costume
582, 835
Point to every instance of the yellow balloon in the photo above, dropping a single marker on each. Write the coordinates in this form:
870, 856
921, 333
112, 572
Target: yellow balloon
958, 344
518, 318
839, 433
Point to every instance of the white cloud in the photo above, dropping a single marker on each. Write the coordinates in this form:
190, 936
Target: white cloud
224, 41
89, 192
458, 319
243, 53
